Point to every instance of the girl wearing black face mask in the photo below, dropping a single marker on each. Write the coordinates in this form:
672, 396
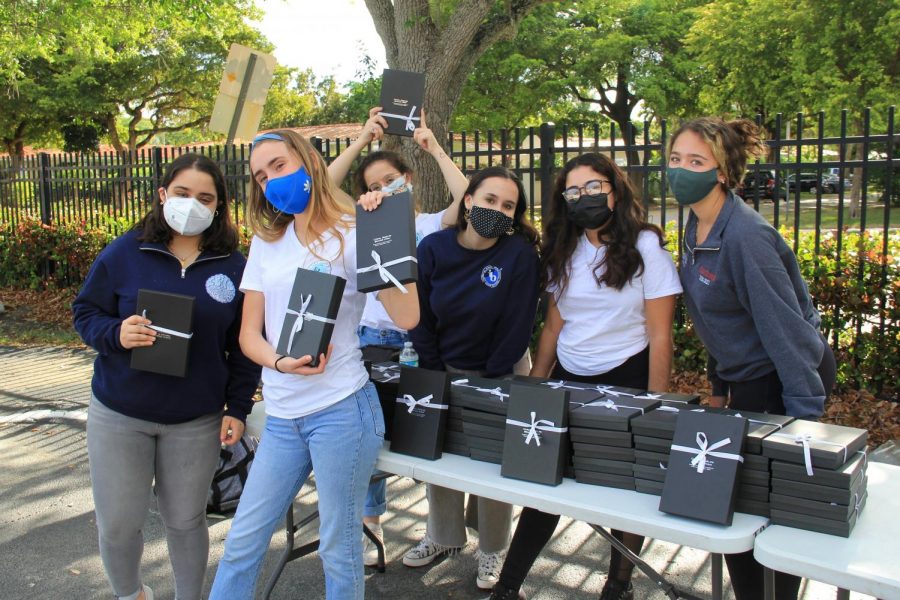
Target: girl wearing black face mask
478, 290
612, 287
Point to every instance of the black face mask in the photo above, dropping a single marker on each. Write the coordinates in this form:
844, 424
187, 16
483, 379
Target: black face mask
590, 212
489, 223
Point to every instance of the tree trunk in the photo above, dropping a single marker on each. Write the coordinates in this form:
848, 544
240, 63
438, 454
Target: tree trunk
446, 52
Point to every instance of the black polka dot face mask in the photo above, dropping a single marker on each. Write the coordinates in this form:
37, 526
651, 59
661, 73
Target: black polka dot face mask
489, 223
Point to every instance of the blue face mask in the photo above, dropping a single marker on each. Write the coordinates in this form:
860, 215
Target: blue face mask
290, 194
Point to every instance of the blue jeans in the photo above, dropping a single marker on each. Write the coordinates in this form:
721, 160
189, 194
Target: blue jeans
342, 441
376, 496
369, 336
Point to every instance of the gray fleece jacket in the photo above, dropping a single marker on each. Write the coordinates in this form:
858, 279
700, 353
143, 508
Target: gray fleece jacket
751, 307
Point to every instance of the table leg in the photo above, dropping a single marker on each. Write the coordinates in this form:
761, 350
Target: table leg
716, 576
843, 594
769, 583
667, 588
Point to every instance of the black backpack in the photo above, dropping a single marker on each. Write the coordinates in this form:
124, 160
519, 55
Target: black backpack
231, 476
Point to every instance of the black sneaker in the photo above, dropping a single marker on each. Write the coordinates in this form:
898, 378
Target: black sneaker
499, 592
614, 590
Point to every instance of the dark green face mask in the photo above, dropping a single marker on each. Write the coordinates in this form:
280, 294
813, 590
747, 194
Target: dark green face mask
690, 187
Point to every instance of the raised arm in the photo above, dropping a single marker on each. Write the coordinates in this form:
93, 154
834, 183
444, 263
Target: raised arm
454, 178
372, 131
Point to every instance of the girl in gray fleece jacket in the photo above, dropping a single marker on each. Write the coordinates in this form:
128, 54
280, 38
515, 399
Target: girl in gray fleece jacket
746, 298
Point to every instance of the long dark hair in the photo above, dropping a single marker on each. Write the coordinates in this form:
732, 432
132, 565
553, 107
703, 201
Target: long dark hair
622, 260
220, 237
521, 224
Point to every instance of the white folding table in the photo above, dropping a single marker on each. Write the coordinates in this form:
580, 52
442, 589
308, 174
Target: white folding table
867, 562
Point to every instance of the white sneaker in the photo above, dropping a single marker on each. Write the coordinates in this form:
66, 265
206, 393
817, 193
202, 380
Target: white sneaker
370, 550
148, 593
489, 565
426, 552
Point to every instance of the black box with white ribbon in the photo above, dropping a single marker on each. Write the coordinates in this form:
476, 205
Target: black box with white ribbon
402, 95
386, 377
536, 444
815, 444
420, 417
704, 463
172, 317
310, 316
386, 244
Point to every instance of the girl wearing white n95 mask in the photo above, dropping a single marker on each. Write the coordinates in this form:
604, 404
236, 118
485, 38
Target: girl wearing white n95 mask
145, 427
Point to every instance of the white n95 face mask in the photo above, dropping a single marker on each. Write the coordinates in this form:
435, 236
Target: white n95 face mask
187, 216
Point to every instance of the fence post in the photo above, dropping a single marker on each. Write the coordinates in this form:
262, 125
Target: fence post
44, 187
317, 143
156, 166
548, 140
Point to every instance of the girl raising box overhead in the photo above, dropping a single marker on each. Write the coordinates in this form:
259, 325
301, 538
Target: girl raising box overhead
329, 415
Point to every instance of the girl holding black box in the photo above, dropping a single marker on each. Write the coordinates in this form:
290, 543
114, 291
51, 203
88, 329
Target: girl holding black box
146, 429
612, 288
478, 289
329, 415
746, 298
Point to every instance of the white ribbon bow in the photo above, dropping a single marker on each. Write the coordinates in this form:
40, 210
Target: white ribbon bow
410, 401
535, 425
410, 126
387, 276
561, 384
703, 450
804, 439
608, 403
302, 316
650, 396
608, 389
497, 391
180, 334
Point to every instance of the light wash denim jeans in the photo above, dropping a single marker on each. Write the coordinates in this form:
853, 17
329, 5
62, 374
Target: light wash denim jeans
376, 495
342, 441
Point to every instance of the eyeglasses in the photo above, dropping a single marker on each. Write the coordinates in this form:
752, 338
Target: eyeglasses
594, 186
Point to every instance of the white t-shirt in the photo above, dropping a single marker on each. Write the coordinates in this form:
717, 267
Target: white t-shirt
375, 316
603, 327
271, 267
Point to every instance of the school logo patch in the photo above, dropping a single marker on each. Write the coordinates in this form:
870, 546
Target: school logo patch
220, 288
490, 276
321, 266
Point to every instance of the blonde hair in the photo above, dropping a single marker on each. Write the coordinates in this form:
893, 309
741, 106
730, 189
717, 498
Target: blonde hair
327, 203
731, 143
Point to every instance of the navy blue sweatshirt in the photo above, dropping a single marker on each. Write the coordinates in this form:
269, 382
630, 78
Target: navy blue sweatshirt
477, 307
751, 308
219, 374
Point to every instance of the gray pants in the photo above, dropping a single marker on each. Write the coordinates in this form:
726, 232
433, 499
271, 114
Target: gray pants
126, 454
449, 514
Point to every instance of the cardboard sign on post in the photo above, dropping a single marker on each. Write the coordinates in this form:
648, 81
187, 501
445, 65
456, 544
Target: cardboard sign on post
242, 93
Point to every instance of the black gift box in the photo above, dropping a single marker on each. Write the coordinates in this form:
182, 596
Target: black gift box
818, 524
844, 477
624, 482
648, 486
486, 455
675, 398
820, 493
386, 236
751, 477
611, 413
483, 418
456, 438
420, 417
172, 317
652, 444
760, 426
309, 320
386, 378
601, 465
752, 507
600, 436
815, 508
758, 493
537, 443
704, 489
650, 458
485, 431
456, 449
607, 452
476, 442
455, 425
659, 423
830, 445
481, 393
756, 462
648, 472
402, 95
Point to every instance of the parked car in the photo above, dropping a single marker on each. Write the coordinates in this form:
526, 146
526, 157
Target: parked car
761, 183
828, 183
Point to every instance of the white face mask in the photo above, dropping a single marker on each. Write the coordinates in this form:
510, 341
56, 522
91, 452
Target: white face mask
187, 216
396, 186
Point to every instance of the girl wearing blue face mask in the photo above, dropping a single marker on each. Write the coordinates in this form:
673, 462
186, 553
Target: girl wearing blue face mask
145, 427
328, 416
746, 298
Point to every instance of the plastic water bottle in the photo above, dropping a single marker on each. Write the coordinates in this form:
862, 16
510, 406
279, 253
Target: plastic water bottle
408, 356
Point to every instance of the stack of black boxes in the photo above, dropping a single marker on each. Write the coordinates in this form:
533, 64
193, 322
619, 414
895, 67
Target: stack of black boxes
653, 432
602, 446
482, 405
753, 480
386, 377
818, 476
